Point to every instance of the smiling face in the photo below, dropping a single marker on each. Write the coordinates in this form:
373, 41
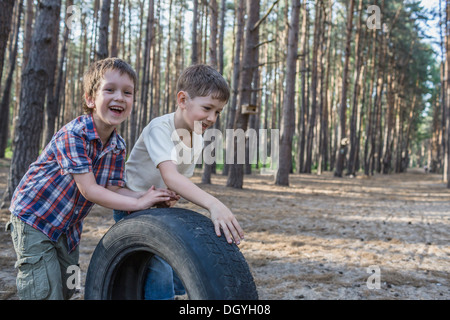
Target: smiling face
200, 110
113, 100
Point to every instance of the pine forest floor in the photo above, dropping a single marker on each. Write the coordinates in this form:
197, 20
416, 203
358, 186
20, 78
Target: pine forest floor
320, 238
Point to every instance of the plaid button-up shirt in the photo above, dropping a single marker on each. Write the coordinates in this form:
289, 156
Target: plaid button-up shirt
47, 197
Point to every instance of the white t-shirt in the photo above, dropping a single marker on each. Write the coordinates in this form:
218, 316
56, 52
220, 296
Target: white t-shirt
157, 143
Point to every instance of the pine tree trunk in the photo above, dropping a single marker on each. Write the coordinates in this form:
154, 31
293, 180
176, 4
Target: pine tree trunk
6, 14
34, 82
236, 174
167, 83
314, 79
303, 70
223, 11
156, 76
411, 117
133, 120
447, 43
146, 68
4, 106
377, 146
354, 146
326, 90
444, 98
370, 115
343, 117
231, 114
95, 31
321, 78
102, 51
115, 30
288, 119
207, 170
389, 120
52, 107
29, 17
194, 45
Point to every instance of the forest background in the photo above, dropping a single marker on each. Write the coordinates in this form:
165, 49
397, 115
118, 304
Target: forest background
355, 87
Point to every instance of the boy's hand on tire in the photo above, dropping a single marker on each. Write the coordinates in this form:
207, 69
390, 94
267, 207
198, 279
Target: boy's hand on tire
152, 197
224, 219
174, 197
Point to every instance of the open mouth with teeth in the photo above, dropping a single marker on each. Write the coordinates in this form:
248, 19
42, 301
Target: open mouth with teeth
117, 110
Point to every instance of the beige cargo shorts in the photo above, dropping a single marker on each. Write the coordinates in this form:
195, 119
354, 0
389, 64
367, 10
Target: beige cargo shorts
42, 265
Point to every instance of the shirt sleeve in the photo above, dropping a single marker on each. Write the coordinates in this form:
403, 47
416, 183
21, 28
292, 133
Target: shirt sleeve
72, 153
117, 175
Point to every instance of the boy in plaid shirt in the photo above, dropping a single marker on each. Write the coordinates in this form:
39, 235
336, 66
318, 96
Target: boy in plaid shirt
82, 165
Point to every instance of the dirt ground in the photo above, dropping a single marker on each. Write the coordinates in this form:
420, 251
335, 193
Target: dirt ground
317, 238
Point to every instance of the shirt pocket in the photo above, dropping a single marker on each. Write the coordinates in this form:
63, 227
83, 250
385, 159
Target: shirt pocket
32, 280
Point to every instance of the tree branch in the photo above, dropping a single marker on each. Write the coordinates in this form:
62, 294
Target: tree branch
263, 43
262, 64
264, 17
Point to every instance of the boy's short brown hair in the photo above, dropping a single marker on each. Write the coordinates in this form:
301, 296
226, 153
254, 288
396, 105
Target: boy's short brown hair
96, 71
201, 80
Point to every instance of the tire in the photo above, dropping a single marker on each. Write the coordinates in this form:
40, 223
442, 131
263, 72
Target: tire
209, 267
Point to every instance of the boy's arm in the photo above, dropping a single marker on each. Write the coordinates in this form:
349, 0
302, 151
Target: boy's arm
93, 192
137, 194
125, 191
221, 216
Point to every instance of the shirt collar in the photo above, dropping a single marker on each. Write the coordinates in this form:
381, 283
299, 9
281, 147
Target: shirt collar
115, 141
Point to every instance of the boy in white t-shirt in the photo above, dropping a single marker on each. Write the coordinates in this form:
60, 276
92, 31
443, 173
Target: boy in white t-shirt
155, 160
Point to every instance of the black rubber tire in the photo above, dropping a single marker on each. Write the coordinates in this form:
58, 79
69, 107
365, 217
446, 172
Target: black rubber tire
209, 267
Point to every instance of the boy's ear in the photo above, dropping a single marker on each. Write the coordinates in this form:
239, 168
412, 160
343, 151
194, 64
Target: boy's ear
181, 99
89, 101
